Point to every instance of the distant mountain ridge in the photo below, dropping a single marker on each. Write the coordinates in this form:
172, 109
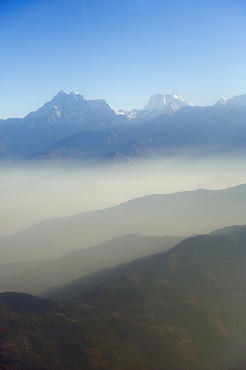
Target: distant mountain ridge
35, 277
63, 116
210, 130
183, 213
166, 103
69, 126
236, 101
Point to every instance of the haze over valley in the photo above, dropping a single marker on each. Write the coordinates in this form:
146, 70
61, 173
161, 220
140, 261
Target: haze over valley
122, 185
167, 171
166, 147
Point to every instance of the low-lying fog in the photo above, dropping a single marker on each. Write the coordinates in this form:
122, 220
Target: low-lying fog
33, 193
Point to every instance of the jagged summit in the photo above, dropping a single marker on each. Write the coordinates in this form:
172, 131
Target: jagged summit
165, 123
67, 114
221, 101
236, 101
169, 102
74, 93
60, 96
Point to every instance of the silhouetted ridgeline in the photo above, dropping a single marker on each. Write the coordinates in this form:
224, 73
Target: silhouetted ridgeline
183, 213
35, 277
182, 309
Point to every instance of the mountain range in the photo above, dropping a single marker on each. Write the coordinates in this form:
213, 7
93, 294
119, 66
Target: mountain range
156, 282
177, 214
69, 126
87, 282
37, 276
181, 309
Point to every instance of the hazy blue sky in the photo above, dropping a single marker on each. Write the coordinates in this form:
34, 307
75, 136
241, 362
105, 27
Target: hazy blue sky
123, 51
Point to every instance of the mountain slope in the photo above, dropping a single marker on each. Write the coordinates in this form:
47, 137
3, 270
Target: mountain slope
63, 116
220, 129
71, 127
236, 101
166, 103
183, 213
183, 309
35, 277
186, 250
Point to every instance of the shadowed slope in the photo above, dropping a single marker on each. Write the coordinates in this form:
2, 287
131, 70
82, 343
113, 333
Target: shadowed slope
182, 309
35, 277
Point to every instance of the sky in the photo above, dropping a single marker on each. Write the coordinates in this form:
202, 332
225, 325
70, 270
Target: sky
123, 51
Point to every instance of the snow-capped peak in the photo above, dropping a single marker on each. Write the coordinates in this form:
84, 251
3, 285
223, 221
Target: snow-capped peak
236, 101
222, 101
76, 96
118, 111
156, 102
177, 99
160, 102
74, 93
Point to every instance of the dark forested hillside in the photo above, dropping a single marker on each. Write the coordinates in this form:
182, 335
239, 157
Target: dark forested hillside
182, 309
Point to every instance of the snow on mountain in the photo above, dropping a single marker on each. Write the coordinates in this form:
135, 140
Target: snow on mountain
81, 114
119, 112
236, 101
157, 105
221, 101
61, 117
160, 124
166, 103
